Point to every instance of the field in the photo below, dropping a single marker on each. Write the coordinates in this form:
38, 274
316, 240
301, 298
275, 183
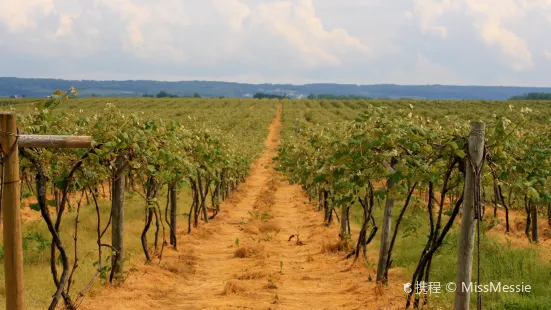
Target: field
243, 203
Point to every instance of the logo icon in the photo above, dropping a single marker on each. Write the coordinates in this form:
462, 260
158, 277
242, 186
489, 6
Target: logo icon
407, 288
451, 287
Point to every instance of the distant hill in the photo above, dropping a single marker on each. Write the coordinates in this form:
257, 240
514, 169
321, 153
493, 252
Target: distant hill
42, 87
532, 96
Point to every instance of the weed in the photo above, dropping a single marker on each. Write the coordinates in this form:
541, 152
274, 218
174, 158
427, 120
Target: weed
36, 241
26, 195
105, 269
268, 237
254, 214
265, 217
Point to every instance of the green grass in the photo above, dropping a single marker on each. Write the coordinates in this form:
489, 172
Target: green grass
38, 281
500, 263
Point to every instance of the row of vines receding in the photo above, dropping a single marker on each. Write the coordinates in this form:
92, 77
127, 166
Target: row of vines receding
407, 161
131, 153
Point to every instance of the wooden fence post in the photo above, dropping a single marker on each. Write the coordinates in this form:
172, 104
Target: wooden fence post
468, 222
13, 243
117, 214
13, 247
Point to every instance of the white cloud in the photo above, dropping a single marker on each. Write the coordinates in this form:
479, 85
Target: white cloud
235, 9
489, 18
297, 22
547, 54
19, 15
513, 46
65, 25
205, 32
431, 11
543, 7
132, 14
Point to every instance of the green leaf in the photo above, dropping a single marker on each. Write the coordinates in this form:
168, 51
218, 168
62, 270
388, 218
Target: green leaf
34, 206
26, 195
532, 193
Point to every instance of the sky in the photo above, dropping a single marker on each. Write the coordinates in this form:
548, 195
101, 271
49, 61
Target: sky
461, 42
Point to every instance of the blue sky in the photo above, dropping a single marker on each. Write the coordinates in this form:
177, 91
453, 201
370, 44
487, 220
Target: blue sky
465, 42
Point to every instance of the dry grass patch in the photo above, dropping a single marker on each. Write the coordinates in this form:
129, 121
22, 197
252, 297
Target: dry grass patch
273, 184
251, 228
180, 268
265, 200
251, 275
268, 227
257, 274
334, 247
250, 251
319, 232
204, 232
232, 287
185, 264
308, 278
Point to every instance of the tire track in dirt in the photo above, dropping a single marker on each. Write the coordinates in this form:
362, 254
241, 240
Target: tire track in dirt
265, 270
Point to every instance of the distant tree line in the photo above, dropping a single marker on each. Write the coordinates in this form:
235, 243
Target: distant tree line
336, 97
39, 88
269, 96
532, 96
165, 94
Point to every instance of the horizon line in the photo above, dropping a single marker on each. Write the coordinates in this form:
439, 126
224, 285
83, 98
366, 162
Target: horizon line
264, 83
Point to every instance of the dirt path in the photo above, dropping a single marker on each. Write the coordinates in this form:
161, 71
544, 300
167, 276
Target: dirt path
263, 270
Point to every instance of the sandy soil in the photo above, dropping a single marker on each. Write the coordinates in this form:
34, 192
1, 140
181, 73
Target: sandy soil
264, 269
